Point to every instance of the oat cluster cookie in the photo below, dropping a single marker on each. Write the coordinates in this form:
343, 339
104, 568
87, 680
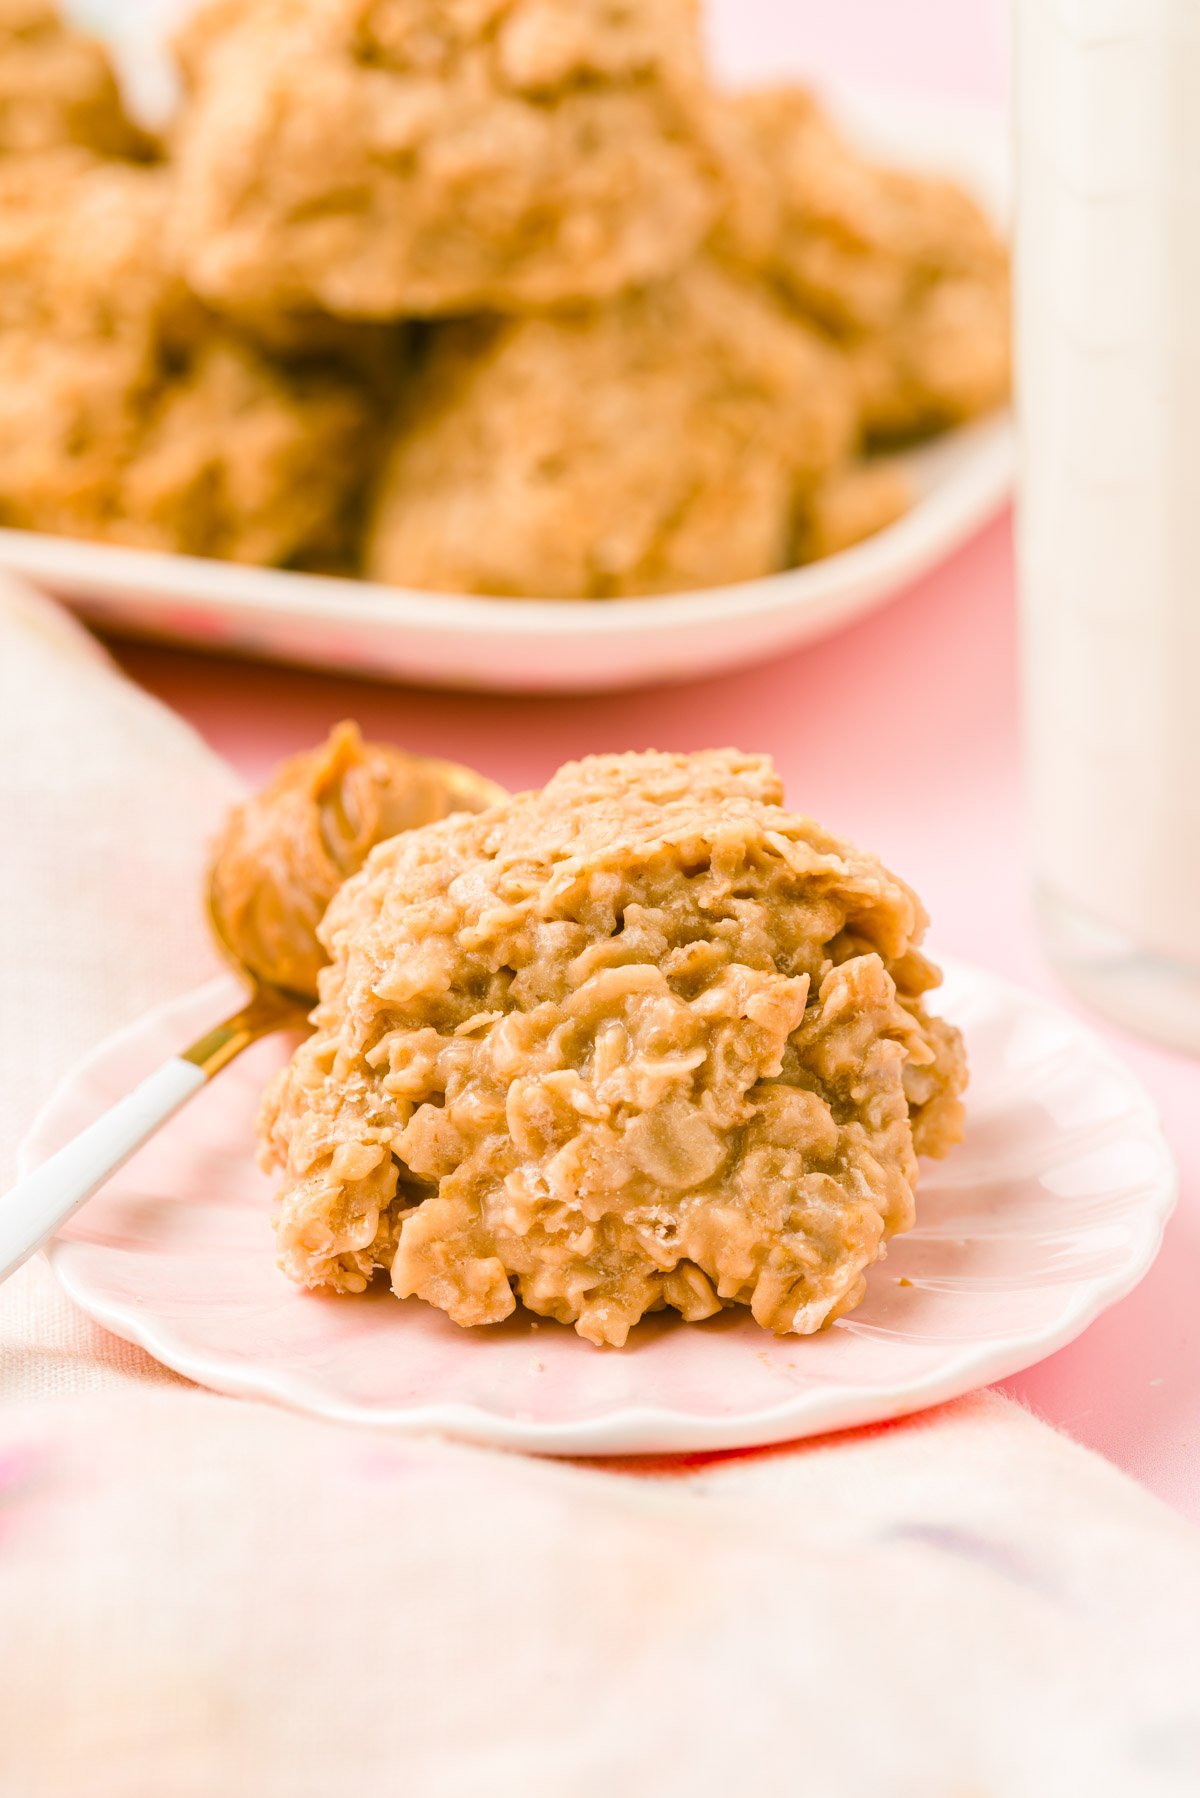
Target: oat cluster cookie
641, 1039
248, 460
286, 850
57, 87
903, 270
657, 443
127, 412
488, 296
384, 157
849, 504
946, 358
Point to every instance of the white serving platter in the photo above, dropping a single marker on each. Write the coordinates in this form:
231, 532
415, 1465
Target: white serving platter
509, 645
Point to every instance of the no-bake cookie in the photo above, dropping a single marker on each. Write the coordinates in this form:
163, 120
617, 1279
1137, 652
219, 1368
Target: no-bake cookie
904, 269
57, 87
691, 321
128, 413
641, 1039
657, 443
945, 359
383, 157
850, 504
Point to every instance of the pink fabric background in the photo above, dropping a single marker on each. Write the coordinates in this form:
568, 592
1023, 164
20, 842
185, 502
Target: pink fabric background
901, 732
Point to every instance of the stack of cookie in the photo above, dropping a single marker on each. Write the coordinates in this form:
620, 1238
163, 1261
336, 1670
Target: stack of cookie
487, 296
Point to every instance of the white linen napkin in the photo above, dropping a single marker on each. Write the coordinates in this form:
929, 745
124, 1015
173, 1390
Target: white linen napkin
107, 804
200, 1595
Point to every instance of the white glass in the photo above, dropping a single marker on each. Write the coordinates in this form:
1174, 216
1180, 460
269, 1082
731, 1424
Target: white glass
1108, 343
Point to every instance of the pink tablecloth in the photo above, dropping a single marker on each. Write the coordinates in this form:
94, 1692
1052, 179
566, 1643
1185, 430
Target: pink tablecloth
901, 732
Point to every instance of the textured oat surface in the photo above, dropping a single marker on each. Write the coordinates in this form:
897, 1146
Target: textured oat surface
126, 412
285, 852
642, 1039
657, 443
387, 157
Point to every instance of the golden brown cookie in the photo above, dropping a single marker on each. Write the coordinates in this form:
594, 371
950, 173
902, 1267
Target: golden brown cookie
126, 413
57, 87
244, 460
641, 1039
852, 503
383, 157
653, 444
83, 303
946, 359
904, 269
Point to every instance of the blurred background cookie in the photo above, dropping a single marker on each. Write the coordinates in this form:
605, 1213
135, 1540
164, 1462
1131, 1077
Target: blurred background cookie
415, 157
687, 319
653, 444
127, 412
903, 269
57, 87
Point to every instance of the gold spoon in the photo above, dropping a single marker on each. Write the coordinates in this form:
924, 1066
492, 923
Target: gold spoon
269, 1007
44, 1200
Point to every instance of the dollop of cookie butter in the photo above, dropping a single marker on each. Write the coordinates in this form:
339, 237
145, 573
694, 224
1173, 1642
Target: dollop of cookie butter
286, 850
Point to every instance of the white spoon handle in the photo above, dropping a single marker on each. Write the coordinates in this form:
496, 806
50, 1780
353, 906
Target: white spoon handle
41, 1203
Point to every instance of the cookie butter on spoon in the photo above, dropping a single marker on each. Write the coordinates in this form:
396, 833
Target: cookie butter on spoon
284, 853
287, 850
641, 1039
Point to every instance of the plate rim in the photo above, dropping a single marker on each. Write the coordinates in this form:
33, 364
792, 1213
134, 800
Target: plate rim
96, 570
638, 1428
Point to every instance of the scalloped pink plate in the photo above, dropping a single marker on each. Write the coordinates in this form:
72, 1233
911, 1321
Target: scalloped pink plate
1052, 1209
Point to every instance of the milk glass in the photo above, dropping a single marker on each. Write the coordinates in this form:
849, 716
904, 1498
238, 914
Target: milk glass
1108, 343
